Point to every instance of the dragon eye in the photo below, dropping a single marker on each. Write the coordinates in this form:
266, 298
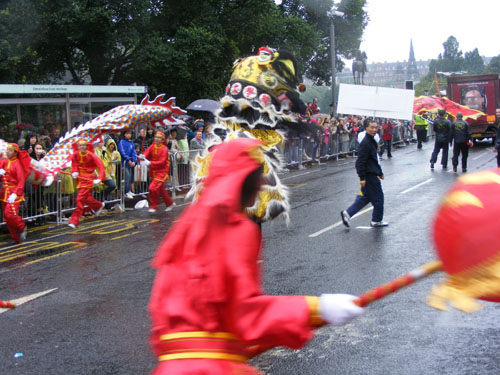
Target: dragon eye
269, 80
265, 54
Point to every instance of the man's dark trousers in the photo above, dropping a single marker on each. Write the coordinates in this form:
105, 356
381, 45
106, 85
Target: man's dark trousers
372, 192
444, 157
421, 135
457, 149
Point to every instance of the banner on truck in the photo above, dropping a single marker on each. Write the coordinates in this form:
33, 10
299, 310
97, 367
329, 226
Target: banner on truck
376, 101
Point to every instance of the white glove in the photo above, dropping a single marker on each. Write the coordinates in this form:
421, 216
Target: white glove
12, 198
339, 309
141, 156
145, 162
97, 181
74, 174
48, 181
2, 172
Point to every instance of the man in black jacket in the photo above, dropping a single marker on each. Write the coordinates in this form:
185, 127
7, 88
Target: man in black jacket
460, 133
370, 173
442, 128
496, 149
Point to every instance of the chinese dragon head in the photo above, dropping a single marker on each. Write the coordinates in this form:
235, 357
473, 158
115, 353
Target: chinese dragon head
261, 101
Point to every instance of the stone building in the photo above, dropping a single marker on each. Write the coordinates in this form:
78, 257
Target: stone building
390, 74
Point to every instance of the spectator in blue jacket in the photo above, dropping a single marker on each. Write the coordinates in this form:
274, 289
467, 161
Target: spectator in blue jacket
126, 148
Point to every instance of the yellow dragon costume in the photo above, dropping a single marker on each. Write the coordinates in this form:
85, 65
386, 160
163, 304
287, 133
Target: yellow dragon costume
261, 101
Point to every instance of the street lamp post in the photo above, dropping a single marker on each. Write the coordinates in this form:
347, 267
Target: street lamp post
333, 12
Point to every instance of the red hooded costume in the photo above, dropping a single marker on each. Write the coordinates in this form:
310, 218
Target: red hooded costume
158, 170
85, 164
209, 312
13, 182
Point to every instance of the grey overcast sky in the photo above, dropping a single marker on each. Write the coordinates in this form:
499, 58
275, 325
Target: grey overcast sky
475, 24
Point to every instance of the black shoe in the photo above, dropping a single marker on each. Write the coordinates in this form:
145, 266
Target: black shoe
346, 219
454, 169
445, 167
432, 165
378, 224
464, 170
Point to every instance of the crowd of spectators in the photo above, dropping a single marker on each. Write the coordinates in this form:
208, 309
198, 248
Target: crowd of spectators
119, 153
338, 135
328, 135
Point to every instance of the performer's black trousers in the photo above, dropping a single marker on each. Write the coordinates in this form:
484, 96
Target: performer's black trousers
421, 135
457, 149
444, 157
371, 193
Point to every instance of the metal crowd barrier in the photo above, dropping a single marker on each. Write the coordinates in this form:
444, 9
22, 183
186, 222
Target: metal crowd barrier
300, 151
57, 201
53, 203
182, 169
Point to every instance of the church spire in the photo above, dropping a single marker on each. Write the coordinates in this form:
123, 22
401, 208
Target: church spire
412, 70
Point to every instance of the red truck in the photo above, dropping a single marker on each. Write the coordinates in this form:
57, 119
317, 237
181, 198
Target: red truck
481, 93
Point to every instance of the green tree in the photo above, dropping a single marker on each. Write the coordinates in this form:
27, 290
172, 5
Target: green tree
451, 60
184, 48
324, 95
494, 65
473, 62
348, 33
19, 58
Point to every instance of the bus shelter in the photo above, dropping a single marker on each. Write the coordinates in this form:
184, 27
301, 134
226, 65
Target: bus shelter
51, 110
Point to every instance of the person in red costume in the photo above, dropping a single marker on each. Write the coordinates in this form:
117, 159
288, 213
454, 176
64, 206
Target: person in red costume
13, 175
83, 165
156, 156
208, 310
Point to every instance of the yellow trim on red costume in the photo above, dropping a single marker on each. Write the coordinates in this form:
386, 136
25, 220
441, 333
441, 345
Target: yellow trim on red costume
203, 355
198, 334
314, 312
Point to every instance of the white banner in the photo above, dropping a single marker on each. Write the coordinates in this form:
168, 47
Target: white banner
375, 101
71, 89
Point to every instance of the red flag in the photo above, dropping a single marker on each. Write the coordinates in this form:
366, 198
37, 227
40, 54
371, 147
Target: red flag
431, 104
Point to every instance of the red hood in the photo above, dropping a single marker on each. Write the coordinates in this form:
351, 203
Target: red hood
198, 236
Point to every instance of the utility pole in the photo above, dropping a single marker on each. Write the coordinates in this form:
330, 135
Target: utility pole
332, 56
333, 12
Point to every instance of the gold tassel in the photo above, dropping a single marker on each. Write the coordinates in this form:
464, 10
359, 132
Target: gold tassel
462, 289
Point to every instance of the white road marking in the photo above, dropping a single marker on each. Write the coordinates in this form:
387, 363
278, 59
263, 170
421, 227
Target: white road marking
481, 155
20, 301
339, 223
416, 186
361, 227
302, 174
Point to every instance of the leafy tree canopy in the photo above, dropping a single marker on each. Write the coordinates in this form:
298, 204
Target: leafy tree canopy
184, 48
454, 60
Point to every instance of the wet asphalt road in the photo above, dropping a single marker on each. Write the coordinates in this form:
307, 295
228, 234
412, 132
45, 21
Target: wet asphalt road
96, 321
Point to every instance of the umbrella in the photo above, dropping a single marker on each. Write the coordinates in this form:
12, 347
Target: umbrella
424, 104
175, 122
181, 132
204, 105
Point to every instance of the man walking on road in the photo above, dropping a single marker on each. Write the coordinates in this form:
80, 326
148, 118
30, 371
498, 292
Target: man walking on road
370, 173
442, 128
461, 135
